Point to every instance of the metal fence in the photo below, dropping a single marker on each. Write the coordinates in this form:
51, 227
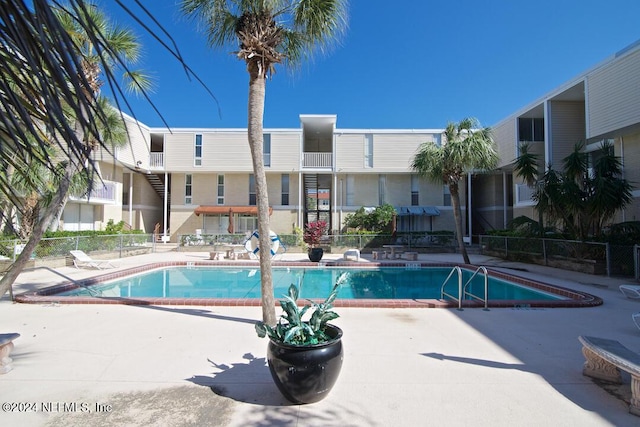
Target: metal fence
57, 247
591, 257
359, 241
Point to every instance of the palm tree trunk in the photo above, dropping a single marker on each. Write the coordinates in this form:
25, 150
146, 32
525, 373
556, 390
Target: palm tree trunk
457, 217
257, 84
49, 213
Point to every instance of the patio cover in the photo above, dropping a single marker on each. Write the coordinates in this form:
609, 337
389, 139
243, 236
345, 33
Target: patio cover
227, 210
418, 210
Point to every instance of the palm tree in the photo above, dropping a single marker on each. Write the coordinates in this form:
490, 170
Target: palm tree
588, 191
467, 147
266, 33
83, 35
610, 191
526, 167
593, 190
38, 185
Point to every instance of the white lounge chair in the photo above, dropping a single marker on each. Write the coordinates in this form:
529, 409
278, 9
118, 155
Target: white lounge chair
80, 259
630, 291
636, 319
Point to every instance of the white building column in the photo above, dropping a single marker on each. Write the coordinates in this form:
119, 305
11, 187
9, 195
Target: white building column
165, 238
469, 205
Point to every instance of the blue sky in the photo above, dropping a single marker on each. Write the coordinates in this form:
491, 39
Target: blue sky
404, 65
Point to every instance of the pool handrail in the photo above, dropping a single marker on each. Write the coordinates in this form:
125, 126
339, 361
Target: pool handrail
486, 287
443, 293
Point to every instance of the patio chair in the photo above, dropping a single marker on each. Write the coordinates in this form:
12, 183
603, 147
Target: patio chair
630, 291
636, 319
80, 259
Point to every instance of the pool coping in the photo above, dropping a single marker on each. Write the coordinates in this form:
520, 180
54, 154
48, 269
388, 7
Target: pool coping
49, 295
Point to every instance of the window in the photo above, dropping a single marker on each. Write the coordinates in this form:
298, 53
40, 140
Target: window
246, 223
188, 181
447, 196
595, 155
220, 190
198, 151
285, 189
530, 129
351, 183
368, 150
415, 195
382, 184
266, 149
252, 190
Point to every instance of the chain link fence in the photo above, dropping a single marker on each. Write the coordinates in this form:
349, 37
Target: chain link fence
587, 257
117, 245
435, 241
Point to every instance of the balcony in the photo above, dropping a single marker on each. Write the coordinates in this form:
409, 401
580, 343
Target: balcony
156, 160
103, 192
317, 160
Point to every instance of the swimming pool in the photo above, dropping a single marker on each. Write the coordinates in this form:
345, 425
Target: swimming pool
414, 285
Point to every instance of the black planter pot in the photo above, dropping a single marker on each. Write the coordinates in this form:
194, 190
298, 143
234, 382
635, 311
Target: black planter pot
315, 254
306, 374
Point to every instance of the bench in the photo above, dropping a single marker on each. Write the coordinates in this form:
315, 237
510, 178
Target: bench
411, 256
604, 360
351, 253
6, 345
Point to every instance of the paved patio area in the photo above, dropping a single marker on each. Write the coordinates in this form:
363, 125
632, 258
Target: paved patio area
173, 366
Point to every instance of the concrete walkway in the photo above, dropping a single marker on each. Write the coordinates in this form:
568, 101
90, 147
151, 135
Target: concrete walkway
175, 366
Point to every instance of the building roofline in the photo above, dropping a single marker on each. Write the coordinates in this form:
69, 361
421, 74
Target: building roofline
389, 131
580, 78
291, 130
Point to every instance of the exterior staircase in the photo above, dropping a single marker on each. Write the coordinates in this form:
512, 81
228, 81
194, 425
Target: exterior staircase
157, 182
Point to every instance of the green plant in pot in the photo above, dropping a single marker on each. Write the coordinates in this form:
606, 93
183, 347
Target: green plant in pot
313, 233
305, 356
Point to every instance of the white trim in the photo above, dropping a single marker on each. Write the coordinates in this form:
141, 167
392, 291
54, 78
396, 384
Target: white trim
581, 78
389, 131
175, 131
548, 158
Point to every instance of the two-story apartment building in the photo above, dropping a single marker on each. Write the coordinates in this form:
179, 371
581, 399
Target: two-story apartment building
602, 103
314, 172
202, 179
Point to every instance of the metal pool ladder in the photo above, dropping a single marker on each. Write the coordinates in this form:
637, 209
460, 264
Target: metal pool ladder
462, 289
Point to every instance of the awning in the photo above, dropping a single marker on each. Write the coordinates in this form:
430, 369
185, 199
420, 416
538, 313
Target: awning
226, 210
417, 210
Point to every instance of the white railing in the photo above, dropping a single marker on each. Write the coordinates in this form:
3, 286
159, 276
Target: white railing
156, 160
101, 192
317, 160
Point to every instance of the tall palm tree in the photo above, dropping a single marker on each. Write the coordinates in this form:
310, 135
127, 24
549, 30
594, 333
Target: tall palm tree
83, 35
467, 147
267, 33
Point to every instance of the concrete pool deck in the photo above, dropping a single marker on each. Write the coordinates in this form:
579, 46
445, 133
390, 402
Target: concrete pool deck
174, 366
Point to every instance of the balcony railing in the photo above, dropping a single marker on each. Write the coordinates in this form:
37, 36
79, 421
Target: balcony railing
317, 160
103, 191
156, 160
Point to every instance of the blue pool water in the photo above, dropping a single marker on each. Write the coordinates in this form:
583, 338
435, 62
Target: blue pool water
374, 283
